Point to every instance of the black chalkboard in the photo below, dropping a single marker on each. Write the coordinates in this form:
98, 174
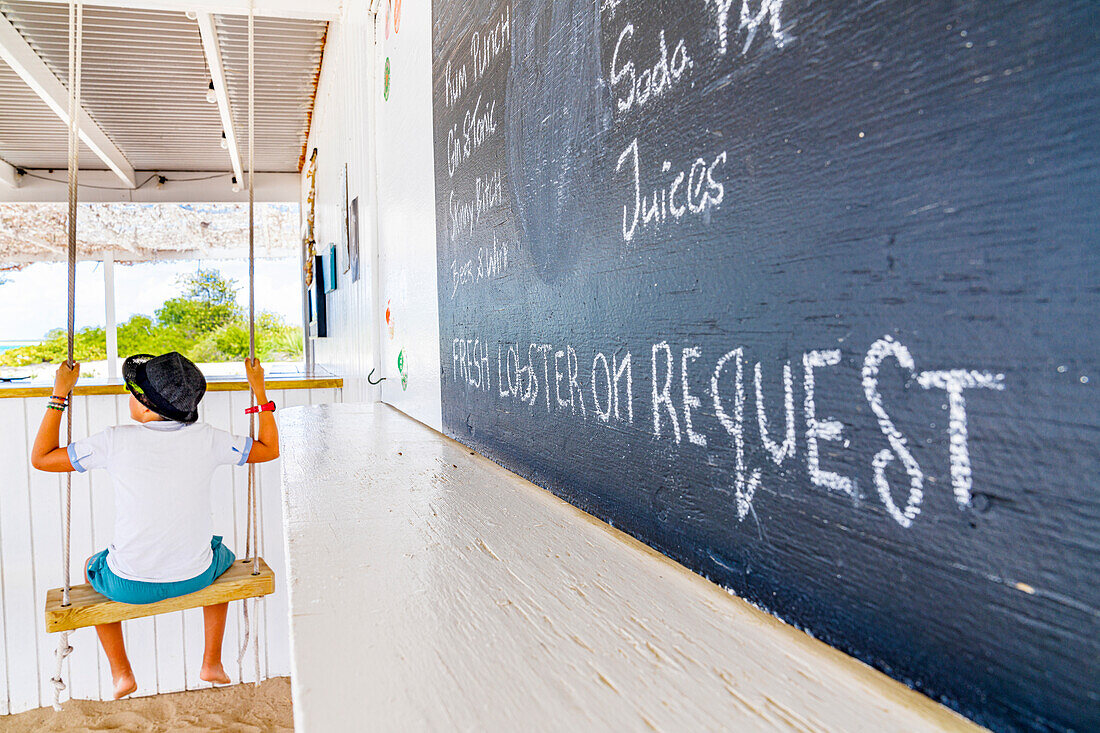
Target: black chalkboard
805, 296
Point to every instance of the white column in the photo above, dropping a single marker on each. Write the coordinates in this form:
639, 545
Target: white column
109, 314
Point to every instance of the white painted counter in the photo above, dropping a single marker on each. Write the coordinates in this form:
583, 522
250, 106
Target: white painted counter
431, 589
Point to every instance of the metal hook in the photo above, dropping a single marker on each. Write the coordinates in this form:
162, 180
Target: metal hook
371, 381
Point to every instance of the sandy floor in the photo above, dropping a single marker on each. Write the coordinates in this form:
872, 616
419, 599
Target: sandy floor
237, 708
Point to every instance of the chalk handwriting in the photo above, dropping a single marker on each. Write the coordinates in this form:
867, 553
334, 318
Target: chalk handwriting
470, 359
602, 413
527, 382
461, 274
777, 452
677, 412
492, 261
664, 396
651, 82
545, 349
879, 351
744, 488
610, 6
467, 213
686, 356
478, 125
486, 45
954, 381
769, 10
558, 377
621, 368
455, 82
816, 430
617, 379
700, 191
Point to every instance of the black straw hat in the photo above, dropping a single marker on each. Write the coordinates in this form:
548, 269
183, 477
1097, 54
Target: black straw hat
169, 385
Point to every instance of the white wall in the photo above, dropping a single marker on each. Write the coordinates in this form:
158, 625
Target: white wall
340, 132
166, 650
387, 145
406, 229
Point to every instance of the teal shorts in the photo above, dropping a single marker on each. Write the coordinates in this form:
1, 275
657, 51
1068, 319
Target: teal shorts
137, 591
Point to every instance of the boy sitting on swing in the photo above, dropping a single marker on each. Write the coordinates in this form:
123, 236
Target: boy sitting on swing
161, 469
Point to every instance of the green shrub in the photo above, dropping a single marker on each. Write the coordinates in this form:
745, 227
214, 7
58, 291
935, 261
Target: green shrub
205, 324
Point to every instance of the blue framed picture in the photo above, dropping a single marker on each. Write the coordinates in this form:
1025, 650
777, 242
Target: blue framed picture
330, 270
318, 307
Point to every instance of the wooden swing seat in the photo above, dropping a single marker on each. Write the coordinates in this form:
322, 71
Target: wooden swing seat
89, 608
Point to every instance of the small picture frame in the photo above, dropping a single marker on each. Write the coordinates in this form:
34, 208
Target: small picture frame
330, 271
319, 311
345, 210
353, 238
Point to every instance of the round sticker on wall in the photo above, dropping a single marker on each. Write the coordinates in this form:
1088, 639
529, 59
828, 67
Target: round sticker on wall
386, 81
403, 369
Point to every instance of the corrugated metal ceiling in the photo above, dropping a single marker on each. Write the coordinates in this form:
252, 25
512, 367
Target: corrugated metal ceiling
144, 81
31, 135
284, 95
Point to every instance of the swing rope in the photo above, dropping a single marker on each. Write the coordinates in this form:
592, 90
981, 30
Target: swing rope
76, 29
252, 537
76, 32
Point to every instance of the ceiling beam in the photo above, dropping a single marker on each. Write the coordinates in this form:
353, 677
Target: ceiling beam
8, 175
213, 53
33, 71
311, 10
181, 187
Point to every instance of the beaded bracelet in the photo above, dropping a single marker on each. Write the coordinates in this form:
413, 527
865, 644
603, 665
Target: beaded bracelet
59, 408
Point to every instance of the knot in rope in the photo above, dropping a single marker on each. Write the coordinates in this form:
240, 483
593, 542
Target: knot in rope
63, 650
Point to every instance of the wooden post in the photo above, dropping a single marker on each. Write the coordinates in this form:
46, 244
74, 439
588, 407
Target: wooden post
110, 326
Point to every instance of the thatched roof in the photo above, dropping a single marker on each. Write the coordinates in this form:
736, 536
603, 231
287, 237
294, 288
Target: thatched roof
138, 232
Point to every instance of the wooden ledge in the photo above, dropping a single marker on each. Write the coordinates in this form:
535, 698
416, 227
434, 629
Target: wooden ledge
439, 591
88, 608
213, 384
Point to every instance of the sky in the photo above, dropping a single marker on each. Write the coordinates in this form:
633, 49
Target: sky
33, 300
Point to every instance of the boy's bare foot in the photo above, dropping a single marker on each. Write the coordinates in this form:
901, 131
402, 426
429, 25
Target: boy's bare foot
125, 684
214, 673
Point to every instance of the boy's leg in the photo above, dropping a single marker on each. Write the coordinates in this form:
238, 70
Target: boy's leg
114, 646
110, 637
213, 620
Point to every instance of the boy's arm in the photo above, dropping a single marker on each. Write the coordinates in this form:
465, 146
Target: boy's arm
46, 455
265, 447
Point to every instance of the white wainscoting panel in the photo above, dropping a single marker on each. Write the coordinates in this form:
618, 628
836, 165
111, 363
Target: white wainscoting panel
165, 651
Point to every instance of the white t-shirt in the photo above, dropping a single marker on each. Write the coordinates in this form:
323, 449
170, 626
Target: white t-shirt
162, 474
